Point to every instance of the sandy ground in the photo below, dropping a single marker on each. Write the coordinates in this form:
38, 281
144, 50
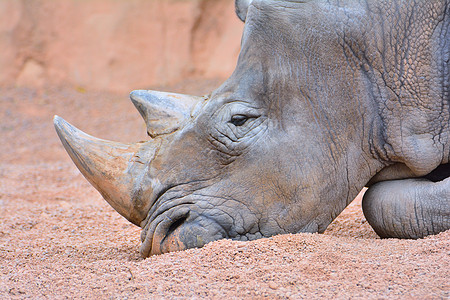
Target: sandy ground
60, 239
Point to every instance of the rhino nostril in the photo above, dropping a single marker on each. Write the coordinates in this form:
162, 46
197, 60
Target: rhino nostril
177, 224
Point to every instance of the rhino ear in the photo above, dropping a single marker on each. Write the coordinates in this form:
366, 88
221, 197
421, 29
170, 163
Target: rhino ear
241, 7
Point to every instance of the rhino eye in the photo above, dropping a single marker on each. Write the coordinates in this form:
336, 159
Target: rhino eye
238, 120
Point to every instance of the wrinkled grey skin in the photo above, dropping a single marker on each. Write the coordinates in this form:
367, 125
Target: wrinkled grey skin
326, 98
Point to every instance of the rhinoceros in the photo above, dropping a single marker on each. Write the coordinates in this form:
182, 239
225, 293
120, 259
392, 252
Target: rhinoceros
327, 97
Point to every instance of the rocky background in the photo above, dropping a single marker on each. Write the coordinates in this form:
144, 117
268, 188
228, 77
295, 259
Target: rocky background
116, 45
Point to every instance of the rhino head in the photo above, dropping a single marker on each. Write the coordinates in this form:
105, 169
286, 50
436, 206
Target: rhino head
216, 167
302, 124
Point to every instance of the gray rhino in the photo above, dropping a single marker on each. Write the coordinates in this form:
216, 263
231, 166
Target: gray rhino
327, 97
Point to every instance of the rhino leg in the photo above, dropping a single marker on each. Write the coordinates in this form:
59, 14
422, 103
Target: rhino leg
409, 208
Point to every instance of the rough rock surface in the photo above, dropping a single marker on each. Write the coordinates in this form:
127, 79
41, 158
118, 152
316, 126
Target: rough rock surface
59, 238
112, 45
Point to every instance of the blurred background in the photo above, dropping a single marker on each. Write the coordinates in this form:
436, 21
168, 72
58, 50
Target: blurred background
116, 46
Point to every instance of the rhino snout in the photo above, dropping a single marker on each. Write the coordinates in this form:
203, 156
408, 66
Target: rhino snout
179, 229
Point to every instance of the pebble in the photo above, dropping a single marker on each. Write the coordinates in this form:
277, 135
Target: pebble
273, 285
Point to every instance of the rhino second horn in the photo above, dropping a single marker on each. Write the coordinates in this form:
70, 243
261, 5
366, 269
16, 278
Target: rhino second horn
114, 169
163, 113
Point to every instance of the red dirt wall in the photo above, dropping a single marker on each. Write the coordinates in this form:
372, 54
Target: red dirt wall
116, 45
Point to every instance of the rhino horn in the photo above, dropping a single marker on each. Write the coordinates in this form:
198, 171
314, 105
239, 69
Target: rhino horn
163, 112
116, 170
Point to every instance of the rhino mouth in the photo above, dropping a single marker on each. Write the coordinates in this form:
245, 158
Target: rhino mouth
177, 227
176, 222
